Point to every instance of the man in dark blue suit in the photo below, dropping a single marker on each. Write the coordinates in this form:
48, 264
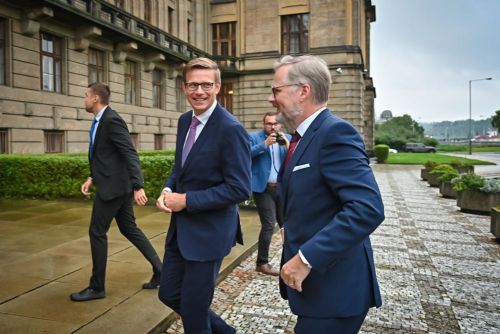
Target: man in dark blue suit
268, 148
210, 177
331, 205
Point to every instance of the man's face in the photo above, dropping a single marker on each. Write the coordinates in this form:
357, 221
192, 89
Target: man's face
90, 100
201, 89
271, 125
285, 99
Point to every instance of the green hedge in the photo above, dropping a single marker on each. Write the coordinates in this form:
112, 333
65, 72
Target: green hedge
381, 151
53, 176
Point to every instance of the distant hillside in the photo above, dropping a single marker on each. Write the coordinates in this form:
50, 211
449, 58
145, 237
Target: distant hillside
447, 130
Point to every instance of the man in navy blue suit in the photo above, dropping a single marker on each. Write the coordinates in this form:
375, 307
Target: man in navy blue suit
210, 177
331, 204
268, 148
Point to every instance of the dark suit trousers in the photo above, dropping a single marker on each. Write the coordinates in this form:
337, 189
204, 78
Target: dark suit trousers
103, 213
350, 325
187, 287
270, 212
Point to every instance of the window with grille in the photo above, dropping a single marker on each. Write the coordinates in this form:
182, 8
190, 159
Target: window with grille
4, 141
130, 83
54, 141
157, 88
180, 98
224, 39
295, 33
96, 66
51, 59
158, 142
3, 66
225, 96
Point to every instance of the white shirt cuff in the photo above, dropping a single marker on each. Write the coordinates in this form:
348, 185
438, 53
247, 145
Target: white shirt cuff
166, 190
303, 258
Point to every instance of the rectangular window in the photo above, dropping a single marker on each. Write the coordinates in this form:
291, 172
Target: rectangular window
180, 98
157, 89
170, 18
130, 83
147, 10
54, 141
4, 141
51, 59
96, 66
224, 39
3, 65
225, 96
120, 4
158, 142
190, 38
135, 140
295, 33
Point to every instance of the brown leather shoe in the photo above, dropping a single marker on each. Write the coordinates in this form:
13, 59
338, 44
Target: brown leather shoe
267, 269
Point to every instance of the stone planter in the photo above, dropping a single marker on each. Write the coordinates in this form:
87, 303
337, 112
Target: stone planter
446, 190
432, 179
424, 173
475, 201
465, 169
495, 222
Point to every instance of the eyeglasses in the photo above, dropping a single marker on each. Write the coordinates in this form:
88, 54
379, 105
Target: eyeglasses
193, 86
271, 124
276, 90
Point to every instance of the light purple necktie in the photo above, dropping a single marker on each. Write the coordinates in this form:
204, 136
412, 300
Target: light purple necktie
190, 138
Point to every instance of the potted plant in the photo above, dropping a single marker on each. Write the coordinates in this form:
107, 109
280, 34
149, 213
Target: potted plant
428, 166
445, 187
436, 172
476, 194
462, 167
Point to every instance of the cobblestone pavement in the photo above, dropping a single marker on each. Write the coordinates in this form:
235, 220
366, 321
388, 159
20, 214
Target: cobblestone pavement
438, 268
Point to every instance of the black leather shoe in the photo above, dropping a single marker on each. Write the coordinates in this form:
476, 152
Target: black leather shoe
153, 283
87, 294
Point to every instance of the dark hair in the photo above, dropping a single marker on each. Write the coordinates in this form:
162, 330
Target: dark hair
102, 90
270, 113
204, 64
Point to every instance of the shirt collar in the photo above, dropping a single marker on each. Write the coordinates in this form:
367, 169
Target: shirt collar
100, 113
203, 118
302, 128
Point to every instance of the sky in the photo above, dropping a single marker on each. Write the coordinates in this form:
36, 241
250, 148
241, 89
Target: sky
424, 52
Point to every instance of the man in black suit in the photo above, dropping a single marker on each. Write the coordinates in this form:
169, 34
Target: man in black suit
116, 173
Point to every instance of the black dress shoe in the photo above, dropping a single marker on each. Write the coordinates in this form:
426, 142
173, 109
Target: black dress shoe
153, 283
87, 294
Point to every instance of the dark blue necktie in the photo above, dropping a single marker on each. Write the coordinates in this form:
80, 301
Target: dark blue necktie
91, 133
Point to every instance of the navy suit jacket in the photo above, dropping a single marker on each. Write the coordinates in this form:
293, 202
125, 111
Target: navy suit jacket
261, 160
215, 177
331, 205
114, 166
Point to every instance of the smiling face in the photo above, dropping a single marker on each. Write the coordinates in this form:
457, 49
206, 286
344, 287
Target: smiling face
201, 99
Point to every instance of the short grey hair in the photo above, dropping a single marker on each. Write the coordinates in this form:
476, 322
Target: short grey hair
308, 69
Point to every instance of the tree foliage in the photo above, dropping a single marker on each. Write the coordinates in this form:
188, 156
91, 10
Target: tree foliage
398, 131
495, 120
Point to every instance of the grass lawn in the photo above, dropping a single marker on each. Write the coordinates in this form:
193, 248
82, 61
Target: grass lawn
465, 148
422, 158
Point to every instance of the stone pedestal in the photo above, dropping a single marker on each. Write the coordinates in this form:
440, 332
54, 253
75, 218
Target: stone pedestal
446, 190
477, 201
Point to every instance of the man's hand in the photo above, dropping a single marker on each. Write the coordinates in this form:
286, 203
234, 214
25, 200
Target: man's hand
294, 272
160, 203
174, 201
140, 197
85, 187
270, 140
287, 143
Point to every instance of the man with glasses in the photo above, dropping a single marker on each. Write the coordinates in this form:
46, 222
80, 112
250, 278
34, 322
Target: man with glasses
268, 148
211, 176
331, 204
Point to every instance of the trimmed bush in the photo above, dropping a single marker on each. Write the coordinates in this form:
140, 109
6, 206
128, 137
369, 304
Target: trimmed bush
52, 176
381, 151
468, 182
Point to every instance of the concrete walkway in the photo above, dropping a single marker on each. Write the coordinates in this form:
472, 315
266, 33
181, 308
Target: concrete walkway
45, 256
439, 270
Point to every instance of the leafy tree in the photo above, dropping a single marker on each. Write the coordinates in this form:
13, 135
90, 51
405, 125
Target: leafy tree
495, 120
398, 131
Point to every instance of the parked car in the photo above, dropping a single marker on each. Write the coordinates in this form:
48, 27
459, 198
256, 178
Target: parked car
419, 148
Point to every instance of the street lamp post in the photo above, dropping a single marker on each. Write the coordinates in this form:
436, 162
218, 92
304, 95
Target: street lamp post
470, 111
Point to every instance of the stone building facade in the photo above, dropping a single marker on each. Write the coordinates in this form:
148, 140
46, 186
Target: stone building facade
51, 49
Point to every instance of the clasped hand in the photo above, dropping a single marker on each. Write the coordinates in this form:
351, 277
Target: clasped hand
294, 272
171, 202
